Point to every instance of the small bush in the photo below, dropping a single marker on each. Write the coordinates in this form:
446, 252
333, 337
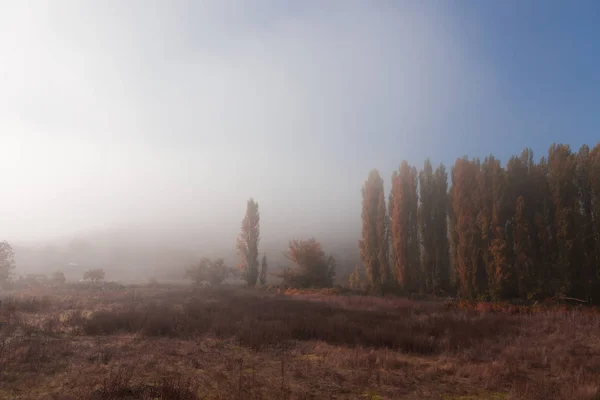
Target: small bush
120, 385
94, 275
207, 270
59, 278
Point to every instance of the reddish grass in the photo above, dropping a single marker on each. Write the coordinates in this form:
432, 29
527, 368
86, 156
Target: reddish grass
179, 343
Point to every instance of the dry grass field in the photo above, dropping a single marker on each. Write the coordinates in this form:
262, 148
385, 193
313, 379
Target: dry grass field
230, 343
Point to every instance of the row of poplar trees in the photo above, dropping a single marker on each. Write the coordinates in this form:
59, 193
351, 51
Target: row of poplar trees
527, 230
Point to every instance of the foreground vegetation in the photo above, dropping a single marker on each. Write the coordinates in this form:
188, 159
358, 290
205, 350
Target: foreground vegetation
182, 343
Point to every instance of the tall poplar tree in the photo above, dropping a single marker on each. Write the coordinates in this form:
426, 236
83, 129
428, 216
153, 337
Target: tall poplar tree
247, 243
433, 228
594, 176
440, 218
427, 227
583, 171
468, 259
404, 227
561, 178
374, 250
453, 234
263, 270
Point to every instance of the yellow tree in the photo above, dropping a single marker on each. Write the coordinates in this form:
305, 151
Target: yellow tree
374, 244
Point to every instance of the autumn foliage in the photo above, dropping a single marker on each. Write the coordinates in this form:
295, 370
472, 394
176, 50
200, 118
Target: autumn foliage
527, 230
374, 244
312, 267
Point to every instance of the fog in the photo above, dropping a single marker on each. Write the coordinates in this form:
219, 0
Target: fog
150, 123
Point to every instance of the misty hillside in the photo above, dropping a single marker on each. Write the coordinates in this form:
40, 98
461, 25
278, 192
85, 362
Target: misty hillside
134, 258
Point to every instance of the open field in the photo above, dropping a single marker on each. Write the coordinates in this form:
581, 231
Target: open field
231, 343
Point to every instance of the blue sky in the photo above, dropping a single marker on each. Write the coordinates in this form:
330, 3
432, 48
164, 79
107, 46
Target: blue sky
541, 60
166, 116
545, 58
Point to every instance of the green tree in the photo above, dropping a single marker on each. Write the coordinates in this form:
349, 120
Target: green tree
207, 270
561, 177
374, 245
247, 243
59, 278
263, 270
94, 275
433, 228
7, 262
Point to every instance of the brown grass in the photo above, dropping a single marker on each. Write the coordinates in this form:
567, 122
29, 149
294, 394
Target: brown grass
180, 343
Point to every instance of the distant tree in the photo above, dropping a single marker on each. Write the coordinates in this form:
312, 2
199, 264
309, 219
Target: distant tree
263, 270
218, 272
207, 270
312, 267
247, 243
7, 262
94, 275
59, 278
374, 245
198, 273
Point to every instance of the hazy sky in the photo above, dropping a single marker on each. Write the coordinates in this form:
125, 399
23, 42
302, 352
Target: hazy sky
165, 116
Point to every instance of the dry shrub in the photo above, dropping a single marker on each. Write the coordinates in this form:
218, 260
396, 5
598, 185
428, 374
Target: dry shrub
120, 385
259, 322
27, 304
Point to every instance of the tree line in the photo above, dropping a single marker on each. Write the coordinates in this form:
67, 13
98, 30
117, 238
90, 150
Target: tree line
526, 230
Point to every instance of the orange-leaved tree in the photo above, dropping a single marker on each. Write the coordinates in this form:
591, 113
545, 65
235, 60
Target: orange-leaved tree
312, 267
